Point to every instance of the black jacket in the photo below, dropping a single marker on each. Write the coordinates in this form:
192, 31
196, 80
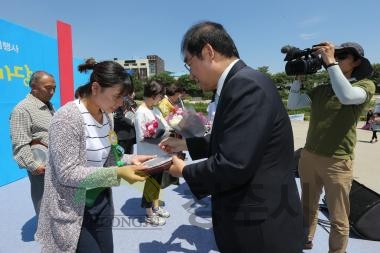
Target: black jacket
249, 170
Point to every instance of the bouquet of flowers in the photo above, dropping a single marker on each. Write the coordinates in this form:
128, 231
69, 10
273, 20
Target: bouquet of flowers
152, 129
187, 123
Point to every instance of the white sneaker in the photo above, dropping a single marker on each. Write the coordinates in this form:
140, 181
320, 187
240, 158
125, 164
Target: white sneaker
161, 212
155, 220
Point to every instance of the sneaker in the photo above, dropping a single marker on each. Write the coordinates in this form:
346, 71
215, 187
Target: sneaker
308, 245
155, 220
370, 141
161, 212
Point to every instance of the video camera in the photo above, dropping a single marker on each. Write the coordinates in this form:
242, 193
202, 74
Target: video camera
301, 61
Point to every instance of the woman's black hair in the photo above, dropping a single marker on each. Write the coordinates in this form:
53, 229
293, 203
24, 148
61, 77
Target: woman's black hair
106, 74
173, 89
153, 89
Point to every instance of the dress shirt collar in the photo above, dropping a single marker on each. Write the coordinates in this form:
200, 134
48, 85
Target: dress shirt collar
222, 78
39, 103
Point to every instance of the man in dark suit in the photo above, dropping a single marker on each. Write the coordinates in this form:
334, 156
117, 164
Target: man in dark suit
249, 166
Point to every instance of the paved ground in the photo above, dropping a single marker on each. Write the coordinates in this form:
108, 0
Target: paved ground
366, 167
189, 228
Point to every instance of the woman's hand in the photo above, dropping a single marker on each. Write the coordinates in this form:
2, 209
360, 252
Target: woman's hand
132, 173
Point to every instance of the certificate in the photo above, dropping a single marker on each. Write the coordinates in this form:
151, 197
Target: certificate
158, 164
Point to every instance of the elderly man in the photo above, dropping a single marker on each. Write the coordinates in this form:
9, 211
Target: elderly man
29, 123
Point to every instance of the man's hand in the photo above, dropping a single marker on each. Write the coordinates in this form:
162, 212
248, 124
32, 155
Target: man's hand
177, 167
132, 173
172, 145
139, 159
40, 170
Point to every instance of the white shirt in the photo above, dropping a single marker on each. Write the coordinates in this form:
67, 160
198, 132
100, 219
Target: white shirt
221, 80
97, 137
144, 115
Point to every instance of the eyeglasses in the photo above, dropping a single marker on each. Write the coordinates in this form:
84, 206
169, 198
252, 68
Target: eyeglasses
187, 66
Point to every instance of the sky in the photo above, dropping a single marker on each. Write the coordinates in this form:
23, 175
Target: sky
127, 29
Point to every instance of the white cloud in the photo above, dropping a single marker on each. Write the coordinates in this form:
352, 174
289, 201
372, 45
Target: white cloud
308, 36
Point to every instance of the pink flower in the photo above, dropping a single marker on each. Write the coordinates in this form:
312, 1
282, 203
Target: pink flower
150, 129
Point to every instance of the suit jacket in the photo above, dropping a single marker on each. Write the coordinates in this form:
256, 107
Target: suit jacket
249, 170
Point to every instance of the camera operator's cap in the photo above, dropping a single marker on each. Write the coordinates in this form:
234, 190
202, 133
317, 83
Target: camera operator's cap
364, 70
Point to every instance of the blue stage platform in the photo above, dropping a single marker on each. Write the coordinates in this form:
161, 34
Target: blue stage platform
187, 230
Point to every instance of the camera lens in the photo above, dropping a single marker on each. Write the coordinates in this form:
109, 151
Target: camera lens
302, 62
295, 67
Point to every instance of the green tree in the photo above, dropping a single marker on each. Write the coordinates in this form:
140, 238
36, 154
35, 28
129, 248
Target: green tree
139, 87
264, 69
164, 77
281, 79
191, 86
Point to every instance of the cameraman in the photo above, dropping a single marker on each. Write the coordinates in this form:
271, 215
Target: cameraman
327, 158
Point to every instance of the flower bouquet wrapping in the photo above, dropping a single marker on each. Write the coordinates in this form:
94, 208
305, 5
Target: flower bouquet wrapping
187, 123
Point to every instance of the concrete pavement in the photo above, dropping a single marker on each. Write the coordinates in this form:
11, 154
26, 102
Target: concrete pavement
366, 166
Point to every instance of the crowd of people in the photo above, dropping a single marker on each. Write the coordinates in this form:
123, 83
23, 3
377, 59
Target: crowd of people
104, 136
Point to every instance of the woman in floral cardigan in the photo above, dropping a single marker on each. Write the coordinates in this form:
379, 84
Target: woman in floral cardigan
77, 198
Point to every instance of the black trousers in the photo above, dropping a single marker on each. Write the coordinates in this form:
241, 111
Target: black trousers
96, 233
